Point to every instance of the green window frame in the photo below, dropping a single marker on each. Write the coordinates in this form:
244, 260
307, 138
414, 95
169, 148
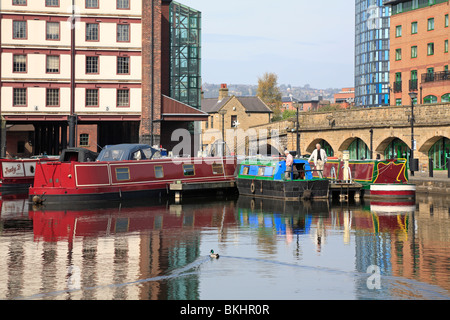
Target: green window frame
398, 31
414, 52
446, 21
398, 102
446, 46
446, 67
430, 48
398, 54
414, 27
430, 24
445, 97
430, 99
413, 74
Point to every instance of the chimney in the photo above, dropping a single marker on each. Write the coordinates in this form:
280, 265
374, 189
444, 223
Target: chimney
223, 91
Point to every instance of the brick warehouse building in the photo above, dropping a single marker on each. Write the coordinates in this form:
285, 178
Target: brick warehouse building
115, 73
419, 50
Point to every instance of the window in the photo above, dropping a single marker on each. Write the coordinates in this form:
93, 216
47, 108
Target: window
415, 4
430, 24
91, 97
52, 98
446, 46
430, 50
91, 64
52, 3
217, 168
159, 172
92, 4
398, 102
445, 97
414, 52
52, 64
234, 121
398, 31
92, 32
20, 97
19, 2
398, 54
123, 98
52, 31
123, 4
188, 170
123, 65
430, 99
122, 174
245, 170
212, 122
446, 21
84, 140
414, 27
446, 68
19, 29
123, 32
20, 63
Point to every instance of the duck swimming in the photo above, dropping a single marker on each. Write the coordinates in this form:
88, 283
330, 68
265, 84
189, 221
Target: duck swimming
214, 255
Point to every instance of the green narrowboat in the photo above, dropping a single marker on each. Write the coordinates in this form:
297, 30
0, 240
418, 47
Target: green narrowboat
266, 178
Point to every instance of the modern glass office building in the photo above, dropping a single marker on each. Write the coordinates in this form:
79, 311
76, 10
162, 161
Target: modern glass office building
372, 26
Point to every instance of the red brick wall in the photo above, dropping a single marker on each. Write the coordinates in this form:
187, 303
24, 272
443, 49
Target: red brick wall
151, 48
421, 40
91, 130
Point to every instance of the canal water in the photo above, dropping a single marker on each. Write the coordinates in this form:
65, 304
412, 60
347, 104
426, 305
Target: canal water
269, 250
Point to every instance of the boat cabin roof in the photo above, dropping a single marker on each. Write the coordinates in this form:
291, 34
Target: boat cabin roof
273, 168
122, 152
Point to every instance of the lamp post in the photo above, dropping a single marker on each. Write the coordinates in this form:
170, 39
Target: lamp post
413, 96
298, 132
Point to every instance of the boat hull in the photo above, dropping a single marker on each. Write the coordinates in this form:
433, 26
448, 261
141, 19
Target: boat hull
393, 191
292, 190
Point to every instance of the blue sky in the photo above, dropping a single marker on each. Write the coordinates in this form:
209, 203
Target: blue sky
302, 41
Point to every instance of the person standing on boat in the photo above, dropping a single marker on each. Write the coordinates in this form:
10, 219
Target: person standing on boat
319, 156
289, 164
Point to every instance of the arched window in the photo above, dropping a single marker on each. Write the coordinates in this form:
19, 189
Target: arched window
445, 97
359, 150
439, 152
397, 149
430, 99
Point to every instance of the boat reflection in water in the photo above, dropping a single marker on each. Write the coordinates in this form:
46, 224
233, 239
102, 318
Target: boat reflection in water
269, 249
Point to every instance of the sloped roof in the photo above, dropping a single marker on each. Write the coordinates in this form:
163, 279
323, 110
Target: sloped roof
251, 104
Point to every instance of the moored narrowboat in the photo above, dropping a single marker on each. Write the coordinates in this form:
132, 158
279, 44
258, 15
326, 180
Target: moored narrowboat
122, 172
379, 178
267, 178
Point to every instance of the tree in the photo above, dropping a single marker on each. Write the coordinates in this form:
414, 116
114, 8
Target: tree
269, 92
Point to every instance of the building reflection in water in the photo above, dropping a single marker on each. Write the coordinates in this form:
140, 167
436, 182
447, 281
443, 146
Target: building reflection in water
51, 253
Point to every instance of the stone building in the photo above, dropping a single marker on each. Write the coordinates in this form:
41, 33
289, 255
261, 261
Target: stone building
231, 112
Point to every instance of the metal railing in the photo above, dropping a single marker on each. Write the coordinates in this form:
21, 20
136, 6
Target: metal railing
436, 76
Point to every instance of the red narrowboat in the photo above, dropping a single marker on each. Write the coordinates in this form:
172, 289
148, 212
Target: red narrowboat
123, 172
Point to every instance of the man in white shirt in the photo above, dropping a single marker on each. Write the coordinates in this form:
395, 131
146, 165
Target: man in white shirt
319, 156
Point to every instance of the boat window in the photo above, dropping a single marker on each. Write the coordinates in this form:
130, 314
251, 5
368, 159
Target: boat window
122, 174
137, 155
245, 170
112, 155
217, 168
268, 172
188, 170
159, 172
261, 171
147, 153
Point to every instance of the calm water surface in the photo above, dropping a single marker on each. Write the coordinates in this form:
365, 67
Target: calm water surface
268, 250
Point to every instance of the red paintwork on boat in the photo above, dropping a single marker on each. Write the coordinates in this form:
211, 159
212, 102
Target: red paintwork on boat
97, 178
368, 171
18, 174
